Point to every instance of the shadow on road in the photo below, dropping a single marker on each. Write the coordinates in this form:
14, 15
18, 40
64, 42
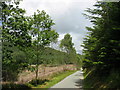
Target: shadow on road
79, 82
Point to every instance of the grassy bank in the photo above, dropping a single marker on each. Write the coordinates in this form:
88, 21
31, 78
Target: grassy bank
52, 80
101, 81
43, 83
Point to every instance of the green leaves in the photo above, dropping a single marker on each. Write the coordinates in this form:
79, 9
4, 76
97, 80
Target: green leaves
67, 46
15, 38
67, 43
102, 44
24, 41
41, 28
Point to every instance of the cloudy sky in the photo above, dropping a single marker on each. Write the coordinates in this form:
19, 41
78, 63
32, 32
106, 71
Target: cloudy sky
67, 15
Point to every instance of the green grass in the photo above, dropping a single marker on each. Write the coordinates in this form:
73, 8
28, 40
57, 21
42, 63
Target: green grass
98, 82
42, 83
54, 79
15, 86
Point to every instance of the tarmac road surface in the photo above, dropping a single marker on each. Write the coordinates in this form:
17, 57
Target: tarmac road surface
72, 81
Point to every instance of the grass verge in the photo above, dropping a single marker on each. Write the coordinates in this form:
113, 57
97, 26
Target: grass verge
54, 79
42, 83
98, 82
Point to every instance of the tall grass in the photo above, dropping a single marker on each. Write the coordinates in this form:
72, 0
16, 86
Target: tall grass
94, 81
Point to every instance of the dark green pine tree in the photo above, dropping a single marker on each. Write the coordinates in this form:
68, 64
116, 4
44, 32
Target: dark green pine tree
102, 45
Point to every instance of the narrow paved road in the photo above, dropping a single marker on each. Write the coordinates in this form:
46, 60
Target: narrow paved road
72, 81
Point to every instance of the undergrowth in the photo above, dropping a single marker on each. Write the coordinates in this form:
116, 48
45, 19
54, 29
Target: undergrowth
98, 80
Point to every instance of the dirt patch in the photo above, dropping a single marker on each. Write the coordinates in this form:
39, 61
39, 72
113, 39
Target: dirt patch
44, 72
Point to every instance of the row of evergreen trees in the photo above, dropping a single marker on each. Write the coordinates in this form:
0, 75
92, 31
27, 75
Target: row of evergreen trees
102, 44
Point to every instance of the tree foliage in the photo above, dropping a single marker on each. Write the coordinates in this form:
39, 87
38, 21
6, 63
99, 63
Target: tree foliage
102, 45
25, 41
66, 43
42, 33
67, 46
14, 37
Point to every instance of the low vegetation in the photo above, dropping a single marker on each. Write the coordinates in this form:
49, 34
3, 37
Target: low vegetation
52, 80
93, 79
41, 83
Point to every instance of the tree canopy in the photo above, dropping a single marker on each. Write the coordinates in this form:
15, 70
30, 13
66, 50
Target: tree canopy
66, 43
67, 46
25, 41
102, 45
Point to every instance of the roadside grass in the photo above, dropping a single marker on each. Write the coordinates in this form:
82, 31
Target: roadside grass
54, 79
13, 86
41, 83
98, 82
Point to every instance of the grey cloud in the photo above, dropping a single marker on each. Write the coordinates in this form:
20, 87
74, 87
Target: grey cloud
71, 21
68, 19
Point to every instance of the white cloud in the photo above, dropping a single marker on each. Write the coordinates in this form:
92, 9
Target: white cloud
61, 36
67, 15
50, 6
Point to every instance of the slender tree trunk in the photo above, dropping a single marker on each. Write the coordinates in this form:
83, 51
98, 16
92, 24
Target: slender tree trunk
36, 78
37, 62
36, 74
